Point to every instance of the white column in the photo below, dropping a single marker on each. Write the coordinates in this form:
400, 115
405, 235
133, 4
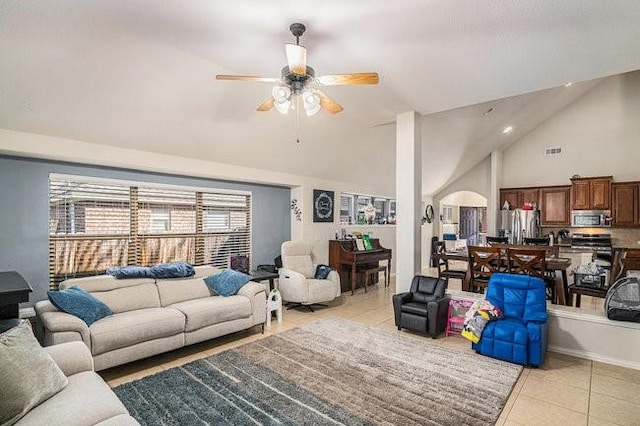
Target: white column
494, 193
408, 198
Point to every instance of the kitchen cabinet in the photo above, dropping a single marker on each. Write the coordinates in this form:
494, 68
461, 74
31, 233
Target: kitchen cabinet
511, 196
591, 193
554, 207
624, 203
518, 197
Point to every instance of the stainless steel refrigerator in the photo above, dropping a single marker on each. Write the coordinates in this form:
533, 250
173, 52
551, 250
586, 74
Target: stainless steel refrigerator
519, 224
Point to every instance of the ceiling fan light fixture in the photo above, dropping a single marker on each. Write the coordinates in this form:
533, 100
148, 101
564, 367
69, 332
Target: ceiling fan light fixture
280, 93
311, 102
296, 58
283, 107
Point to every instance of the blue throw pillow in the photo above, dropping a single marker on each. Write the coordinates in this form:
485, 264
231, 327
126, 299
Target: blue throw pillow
322, 272
173, 270
76, 301
120, 272
227, 282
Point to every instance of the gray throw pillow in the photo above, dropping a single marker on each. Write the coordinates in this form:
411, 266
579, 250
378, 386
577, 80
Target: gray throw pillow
29, 376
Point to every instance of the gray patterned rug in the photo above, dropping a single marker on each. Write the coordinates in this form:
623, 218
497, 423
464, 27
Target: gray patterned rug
328, 372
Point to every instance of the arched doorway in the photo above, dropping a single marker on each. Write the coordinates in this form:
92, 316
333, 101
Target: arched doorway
464, 213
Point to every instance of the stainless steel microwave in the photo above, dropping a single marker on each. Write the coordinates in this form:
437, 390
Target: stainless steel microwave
591, 218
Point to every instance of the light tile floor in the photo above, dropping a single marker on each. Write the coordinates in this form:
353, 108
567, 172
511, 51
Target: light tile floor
564, 391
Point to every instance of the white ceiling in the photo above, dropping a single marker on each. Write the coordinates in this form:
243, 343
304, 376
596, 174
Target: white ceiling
140, 74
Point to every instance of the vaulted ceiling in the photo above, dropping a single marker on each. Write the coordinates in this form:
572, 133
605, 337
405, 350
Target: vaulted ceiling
140, 74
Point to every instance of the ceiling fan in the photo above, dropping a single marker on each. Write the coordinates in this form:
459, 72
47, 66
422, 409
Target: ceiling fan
299, 82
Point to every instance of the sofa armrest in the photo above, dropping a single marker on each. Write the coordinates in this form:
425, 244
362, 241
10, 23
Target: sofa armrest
335, 278
292, 286
61, 322
257, 295
71, 357
398, 300
437, 312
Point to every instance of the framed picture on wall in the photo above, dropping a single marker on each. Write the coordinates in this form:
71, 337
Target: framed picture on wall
322, 205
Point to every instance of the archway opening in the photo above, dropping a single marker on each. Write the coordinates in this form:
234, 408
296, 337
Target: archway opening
463, 214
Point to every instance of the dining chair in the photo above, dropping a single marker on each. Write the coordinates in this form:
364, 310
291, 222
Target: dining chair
445, 271
532, 261
483, 261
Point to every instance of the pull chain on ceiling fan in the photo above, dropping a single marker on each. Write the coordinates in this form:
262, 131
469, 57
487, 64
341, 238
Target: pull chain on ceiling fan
298, 83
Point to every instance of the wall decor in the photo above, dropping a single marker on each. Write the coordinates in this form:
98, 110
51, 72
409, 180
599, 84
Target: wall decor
322, 205
297, 211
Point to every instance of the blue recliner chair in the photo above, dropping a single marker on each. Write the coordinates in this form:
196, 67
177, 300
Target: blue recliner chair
521, 336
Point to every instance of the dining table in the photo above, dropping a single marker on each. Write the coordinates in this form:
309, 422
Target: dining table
554, 263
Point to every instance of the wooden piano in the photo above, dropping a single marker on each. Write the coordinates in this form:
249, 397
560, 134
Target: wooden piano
345, 258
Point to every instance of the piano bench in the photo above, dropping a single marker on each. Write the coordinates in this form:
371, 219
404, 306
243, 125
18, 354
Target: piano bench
367, 275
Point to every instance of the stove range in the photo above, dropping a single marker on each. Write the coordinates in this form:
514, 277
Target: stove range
600, 243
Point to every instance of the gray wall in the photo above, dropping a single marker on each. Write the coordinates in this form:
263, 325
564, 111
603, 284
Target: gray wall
24, 238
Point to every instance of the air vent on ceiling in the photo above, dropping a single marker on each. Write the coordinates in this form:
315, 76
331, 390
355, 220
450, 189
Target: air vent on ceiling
552, 151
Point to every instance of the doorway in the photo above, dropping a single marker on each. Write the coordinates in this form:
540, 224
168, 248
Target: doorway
473, 224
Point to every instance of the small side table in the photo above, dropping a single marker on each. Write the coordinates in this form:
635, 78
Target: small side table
274, 303
264, 275
14, 289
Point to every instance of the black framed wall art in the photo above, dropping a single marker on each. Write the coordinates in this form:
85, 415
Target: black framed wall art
322, 205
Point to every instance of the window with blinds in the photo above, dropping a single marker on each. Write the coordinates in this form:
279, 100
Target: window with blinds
94, 225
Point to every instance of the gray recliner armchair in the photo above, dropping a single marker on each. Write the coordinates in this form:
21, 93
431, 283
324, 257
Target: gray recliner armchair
296, 281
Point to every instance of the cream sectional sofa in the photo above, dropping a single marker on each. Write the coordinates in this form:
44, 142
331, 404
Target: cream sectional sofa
152, 316
86, 400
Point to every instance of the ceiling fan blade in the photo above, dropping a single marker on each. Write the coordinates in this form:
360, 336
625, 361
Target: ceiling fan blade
348, 79
329, 104
266, 105
296, 58
247, 78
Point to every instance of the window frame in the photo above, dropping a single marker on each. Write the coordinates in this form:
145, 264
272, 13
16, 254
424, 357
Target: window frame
203, 246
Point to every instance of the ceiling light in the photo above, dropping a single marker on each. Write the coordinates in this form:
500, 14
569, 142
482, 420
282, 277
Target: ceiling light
507, 130
311, 102
283, 107
281, 94
568, 84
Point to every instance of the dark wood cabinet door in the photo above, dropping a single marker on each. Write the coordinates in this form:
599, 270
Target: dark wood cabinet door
600, 194
554, 208
625, 204
512, 196
580, 190
531, 195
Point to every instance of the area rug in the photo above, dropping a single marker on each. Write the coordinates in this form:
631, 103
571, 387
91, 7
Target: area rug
329, 372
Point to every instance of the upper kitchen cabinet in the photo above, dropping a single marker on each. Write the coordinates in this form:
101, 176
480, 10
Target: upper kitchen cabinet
511, 196
554, 208
624, 202
591, 193
518, 197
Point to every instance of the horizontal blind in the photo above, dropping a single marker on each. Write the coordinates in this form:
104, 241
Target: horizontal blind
226, 227
88, 228
94, 226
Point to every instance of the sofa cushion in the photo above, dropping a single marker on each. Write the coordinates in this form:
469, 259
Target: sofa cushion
103, 283
129, 328
213, 310
28, 375
178, 290
87, 400
227, 282
130, 298
302, 264
78, 302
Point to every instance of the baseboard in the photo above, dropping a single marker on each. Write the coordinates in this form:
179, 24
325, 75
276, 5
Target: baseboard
595, 357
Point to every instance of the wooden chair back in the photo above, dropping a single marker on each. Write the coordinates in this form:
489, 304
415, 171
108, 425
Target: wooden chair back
496, 240
545, 241
529, 261
483, 262
550, 251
